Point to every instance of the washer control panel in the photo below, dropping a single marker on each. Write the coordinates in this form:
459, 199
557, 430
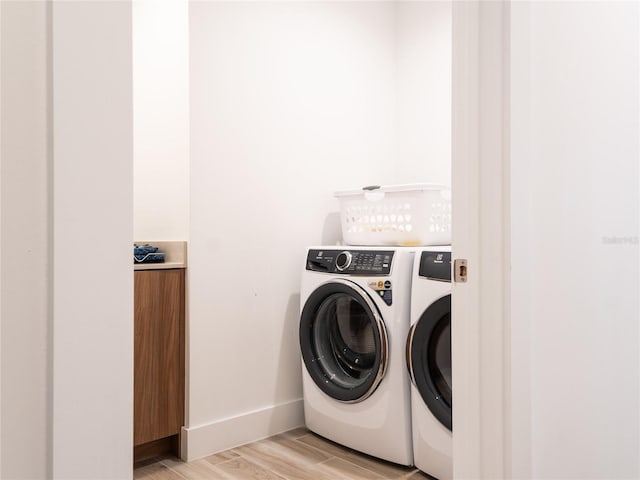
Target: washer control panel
436, 266
351, 262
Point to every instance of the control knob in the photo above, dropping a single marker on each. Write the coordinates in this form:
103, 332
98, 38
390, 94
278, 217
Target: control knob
343, 261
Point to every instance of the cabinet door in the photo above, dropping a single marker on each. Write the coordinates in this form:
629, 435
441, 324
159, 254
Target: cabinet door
159, 354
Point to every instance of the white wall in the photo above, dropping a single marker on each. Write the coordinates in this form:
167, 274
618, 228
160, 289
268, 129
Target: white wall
575, 214
25, 229
289, 102
161, 119
423, 91
161, 107
92, 372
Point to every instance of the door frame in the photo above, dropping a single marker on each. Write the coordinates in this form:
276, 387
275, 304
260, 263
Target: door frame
481, 234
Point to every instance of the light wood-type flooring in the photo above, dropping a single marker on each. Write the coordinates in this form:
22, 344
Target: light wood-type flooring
294, 455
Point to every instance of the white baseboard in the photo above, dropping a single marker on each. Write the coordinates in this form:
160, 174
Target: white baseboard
202, 440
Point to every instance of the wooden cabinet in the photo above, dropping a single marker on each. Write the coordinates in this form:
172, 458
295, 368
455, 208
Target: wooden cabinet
159, 301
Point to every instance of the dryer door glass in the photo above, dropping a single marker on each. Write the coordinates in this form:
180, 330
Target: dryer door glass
439, 357
343, 341
430, 359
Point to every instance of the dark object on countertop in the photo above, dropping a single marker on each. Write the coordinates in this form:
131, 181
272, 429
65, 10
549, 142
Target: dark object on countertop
147, 254
144, 249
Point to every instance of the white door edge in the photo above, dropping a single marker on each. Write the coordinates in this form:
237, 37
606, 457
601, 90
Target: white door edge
481, 228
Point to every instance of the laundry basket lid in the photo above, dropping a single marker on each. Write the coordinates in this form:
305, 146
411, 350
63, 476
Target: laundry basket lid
408, 187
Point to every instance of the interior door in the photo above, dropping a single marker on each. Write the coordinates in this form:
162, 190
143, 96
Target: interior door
480, 234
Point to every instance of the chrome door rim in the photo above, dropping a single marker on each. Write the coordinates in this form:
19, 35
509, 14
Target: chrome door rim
362, 297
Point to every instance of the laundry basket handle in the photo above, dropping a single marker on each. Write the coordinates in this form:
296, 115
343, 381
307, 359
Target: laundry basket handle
373, 193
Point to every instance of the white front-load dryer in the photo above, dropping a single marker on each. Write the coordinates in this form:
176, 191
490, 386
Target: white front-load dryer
354, 321
428, 357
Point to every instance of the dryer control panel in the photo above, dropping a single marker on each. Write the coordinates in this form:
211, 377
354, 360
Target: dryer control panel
350, 262
436, 266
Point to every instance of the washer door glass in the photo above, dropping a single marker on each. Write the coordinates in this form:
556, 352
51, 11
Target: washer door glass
343, 341
429, 359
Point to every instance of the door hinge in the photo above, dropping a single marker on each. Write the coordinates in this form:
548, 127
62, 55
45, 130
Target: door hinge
460, 270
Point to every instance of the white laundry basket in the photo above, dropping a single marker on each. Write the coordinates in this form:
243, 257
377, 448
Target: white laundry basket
416, 214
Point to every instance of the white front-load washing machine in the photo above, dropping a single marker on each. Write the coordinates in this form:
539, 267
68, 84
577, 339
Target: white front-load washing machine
428, 356
354, 321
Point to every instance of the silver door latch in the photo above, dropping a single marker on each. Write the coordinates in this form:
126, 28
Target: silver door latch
460, 270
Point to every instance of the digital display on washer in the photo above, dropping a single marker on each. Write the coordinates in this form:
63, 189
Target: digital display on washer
436, 266
351, 262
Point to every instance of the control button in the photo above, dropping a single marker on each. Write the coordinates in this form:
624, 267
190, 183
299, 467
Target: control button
387, 284
343, 261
